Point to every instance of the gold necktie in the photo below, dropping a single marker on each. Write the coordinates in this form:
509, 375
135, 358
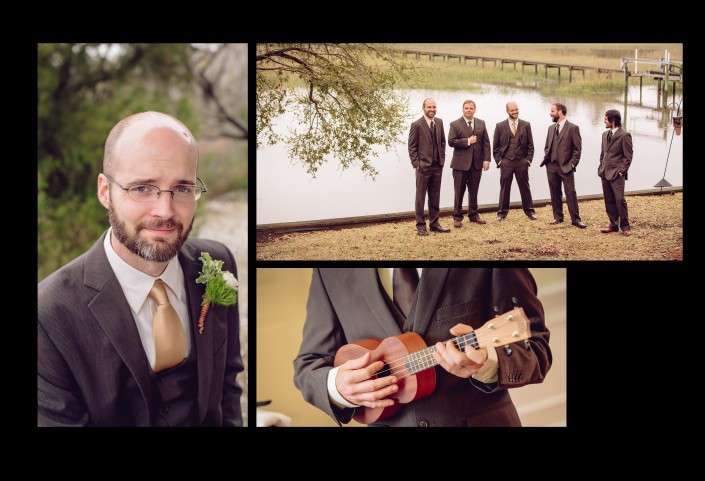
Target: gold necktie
169, 340
514, 128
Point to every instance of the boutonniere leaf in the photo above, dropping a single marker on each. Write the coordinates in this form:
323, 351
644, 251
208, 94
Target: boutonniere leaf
221, 286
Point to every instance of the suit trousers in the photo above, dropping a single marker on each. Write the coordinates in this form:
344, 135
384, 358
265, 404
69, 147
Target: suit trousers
462, 180
615, 203
556, 176
428, 180
508, 169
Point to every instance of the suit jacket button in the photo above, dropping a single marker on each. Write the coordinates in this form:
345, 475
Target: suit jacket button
165, 409
423, 423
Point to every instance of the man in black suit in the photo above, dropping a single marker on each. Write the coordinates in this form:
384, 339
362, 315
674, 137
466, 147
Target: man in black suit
347, 305
561, 156
615, 159
471, 155
513, 152
427, 151
117, 338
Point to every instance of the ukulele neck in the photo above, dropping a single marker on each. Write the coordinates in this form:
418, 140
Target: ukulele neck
421, 360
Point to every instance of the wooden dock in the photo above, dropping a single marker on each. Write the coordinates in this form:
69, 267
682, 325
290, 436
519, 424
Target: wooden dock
546, 66
480, 59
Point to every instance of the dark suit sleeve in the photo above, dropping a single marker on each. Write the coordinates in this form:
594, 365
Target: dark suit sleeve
230, 404
522, 366
322, 337
486, 152
443, 143
530, 142
627, 153
456, 138
59, 401
577, 145
497, 148
414, 146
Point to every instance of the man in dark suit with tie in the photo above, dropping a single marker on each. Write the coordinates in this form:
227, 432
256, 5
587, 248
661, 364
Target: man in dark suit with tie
615, 159
471, 155
117, 338
513, 152
348, 305
427, 151
561, 156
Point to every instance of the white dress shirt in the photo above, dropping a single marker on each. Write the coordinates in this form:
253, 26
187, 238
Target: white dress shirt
136, 286
487, 374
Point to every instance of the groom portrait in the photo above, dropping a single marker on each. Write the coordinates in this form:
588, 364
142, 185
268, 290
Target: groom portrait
120, 342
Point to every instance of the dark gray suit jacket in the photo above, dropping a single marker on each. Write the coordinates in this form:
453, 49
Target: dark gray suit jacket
465, 155
348, 304
421, 146
615, 156
91, 367
502, 134
570, 146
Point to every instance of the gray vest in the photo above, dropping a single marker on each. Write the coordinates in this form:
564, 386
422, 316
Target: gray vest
175, 391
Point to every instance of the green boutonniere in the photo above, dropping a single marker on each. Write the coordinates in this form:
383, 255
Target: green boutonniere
221, 286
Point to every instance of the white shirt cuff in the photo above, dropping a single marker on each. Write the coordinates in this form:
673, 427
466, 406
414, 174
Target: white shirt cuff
335, 397
488, 372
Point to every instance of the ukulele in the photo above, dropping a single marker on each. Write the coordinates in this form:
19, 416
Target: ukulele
407, 357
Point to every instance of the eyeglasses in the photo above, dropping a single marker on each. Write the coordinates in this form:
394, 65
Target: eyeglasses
150, 193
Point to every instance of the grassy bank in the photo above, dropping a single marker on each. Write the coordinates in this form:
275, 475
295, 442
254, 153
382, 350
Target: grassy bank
452, 75
657, 234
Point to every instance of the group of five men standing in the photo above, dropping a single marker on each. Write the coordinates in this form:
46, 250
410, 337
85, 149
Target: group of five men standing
513, 152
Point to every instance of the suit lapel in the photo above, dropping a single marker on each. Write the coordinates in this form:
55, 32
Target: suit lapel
202, 342
368, 282
113, 313
424, 305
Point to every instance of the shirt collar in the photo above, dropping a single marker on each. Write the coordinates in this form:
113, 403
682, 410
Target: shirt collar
561, 123
136, 284
428, 120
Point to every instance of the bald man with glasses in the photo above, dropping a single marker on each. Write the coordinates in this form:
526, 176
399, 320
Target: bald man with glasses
118, 342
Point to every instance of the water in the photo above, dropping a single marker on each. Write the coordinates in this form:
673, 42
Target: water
286, 193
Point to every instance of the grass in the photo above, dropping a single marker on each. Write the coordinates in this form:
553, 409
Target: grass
656, 220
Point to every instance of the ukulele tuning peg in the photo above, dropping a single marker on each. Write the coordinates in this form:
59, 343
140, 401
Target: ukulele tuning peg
527, 346
515, 302
496, 311
508, 350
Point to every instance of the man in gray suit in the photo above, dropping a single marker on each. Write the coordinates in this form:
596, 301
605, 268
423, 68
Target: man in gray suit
347, 305
615, 159
101, 360
471, 155
513, 152
561, 156
427, 151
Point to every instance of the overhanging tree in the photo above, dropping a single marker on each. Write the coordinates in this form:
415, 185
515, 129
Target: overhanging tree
344, 99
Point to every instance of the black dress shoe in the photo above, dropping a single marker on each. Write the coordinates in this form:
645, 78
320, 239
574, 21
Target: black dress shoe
439, 229
555, 221
423, 232
499, 217
531, 216
607, 230
578, 223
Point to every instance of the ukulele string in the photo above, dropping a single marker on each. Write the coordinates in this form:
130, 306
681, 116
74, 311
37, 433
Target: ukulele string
460, 341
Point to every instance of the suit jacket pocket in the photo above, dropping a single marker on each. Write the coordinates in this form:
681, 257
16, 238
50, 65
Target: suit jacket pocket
459, 312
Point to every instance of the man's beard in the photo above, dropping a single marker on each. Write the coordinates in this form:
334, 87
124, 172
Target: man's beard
161, 251
555, 119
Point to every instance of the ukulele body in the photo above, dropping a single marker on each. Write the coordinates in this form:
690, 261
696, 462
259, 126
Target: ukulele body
391, 351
